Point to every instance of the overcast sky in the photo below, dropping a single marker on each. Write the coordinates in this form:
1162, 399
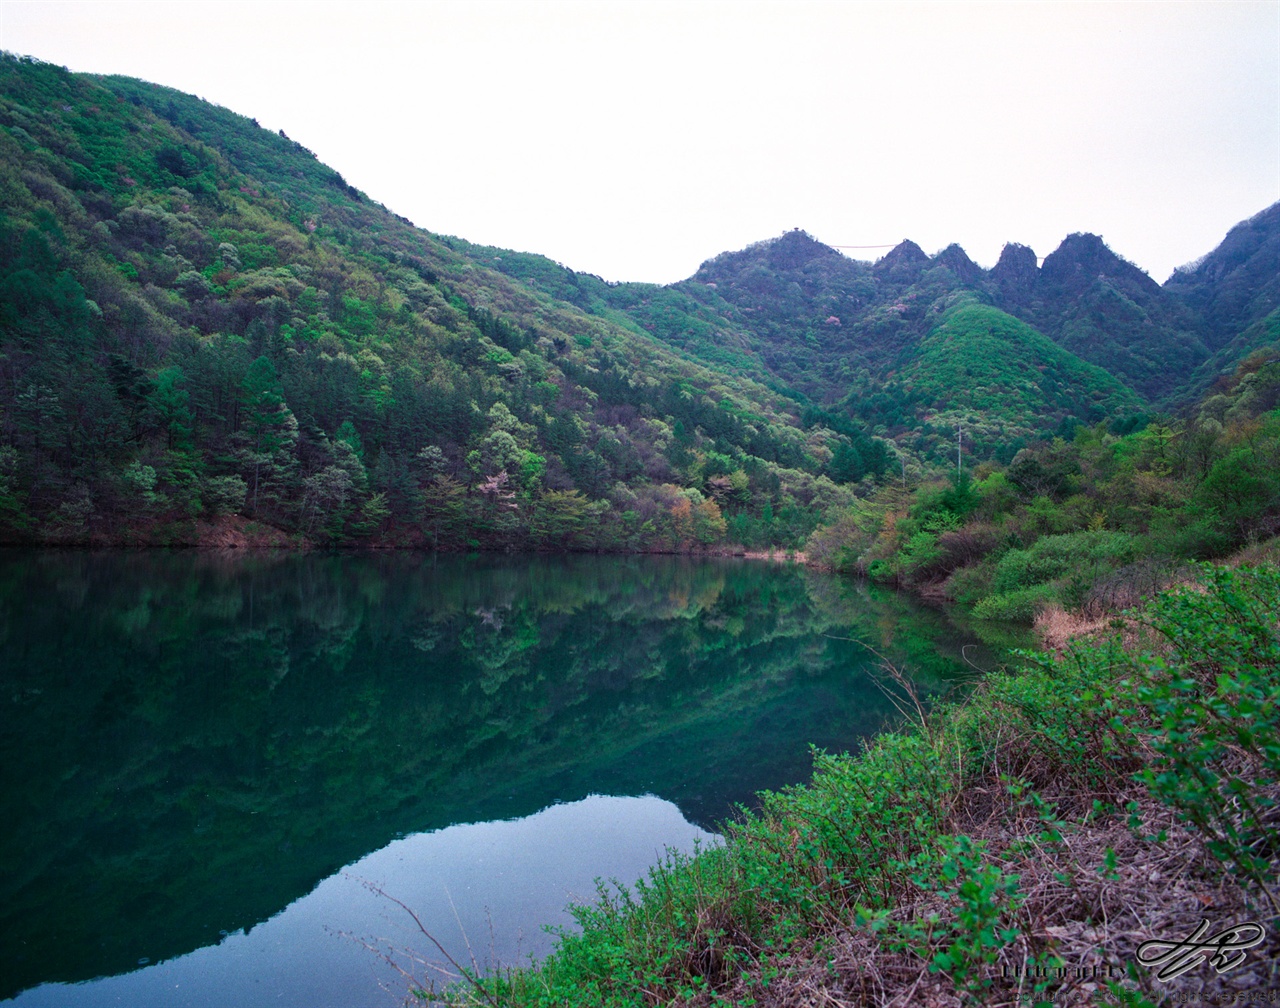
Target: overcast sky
634, 140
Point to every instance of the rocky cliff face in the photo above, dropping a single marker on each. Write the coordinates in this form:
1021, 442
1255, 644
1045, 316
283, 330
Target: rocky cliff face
1014, 275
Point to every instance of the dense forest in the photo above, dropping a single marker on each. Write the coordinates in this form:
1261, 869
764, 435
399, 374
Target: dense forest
209, 337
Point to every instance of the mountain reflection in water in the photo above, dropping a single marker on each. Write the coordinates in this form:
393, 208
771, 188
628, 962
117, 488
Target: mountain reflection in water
194, 741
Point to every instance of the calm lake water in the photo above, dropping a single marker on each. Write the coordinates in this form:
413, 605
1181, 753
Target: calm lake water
209, 762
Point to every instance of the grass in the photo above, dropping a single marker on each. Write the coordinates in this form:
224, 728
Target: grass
1011, 848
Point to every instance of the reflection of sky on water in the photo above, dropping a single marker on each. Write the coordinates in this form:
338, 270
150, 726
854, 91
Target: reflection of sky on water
496, 883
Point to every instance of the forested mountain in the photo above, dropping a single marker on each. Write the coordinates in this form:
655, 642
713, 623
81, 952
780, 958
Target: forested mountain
203, 325
902, 348
1236, 290
1106, 311
206, 335
799, 314
1238, 283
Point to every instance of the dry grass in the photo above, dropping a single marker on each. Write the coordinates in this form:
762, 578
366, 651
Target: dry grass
1056, 627
1267, 552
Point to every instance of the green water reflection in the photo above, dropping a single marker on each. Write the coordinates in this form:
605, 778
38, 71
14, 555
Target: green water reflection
191, 741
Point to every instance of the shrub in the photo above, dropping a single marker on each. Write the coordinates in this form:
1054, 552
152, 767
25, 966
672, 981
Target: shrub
970, 584
1059, 556
1019, 605
1211, 712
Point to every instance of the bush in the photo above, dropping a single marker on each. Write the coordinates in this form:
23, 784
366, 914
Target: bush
1060, 556
969, 585
1018, 606
1211, 712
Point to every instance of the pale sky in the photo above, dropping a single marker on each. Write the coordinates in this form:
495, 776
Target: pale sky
635, 140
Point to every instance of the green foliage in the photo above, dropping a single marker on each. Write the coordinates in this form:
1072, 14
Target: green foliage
1085, 523
984, 896
1018, 605
1215, 697
1056, 557
185, 292
1007, 379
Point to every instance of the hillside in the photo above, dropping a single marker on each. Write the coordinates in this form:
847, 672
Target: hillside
209, 335
1236, 289
798, 315
1238, 283
1003, 383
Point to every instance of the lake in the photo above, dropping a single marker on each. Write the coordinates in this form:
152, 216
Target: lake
219, 771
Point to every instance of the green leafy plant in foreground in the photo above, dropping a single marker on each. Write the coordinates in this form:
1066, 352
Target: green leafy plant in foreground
1213, 712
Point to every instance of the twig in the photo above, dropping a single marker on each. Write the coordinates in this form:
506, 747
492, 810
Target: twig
378, 890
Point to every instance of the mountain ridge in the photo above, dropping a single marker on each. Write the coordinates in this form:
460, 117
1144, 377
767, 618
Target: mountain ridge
204, 322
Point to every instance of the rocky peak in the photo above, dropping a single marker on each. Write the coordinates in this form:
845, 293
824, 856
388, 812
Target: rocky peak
794, 249
903, 263
1016, 271
1083, 257
954, 258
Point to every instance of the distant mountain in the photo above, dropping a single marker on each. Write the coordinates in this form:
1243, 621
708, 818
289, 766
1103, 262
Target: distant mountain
795, 312
1106, 311
905, 348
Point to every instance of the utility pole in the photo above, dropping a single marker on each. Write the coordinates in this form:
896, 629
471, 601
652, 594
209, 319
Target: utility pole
959, 439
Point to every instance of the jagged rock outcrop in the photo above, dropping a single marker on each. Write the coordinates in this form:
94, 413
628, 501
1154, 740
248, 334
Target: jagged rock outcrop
964, 269
903, 263
1082, 258
1015, 273
1104, 309
795, 249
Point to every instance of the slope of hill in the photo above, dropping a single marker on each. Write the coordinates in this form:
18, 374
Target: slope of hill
1236, 290
205, 326
1238, 283
798, 315
1002, 382
881, 347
